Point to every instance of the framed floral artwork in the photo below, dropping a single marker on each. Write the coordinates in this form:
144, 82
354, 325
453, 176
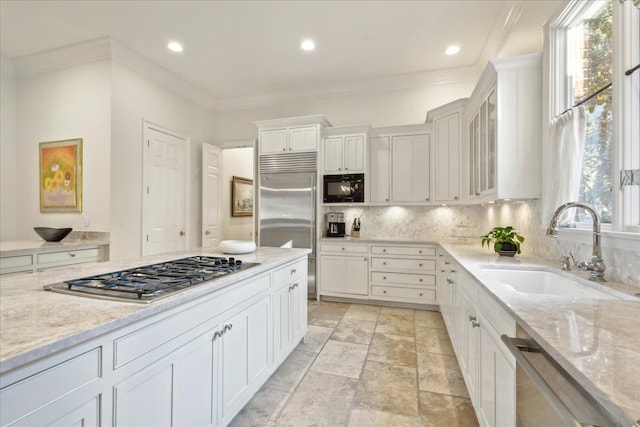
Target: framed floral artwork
61, 176
241, 196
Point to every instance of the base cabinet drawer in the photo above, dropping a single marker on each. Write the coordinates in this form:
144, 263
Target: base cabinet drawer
404, 250
69, 257
347, 248
15, 264
404, 264
409, 279
412, 294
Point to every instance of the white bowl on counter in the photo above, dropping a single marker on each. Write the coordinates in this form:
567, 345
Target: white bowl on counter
237, 246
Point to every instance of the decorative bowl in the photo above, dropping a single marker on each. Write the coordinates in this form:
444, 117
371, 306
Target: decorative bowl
237, 246
51, 234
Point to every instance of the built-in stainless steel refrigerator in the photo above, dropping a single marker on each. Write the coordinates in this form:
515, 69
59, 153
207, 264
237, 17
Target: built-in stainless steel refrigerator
287, 214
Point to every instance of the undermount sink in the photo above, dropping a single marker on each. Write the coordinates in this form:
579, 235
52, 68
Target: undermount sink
543, 283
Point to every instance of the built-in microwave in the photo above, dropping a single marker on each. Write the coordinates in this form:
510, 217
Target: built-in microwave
347, 188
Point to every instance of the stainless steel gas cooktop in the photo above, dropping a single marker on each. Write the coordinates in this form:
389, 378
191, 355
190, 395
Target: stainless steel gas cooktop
151, 282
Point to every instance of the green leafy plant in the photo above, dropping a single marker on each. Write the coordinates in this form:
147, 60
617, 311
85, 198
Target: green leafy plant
500, 236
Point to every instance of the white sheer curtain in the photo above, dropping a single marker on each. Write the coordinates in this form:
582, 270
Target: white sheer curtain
564, 162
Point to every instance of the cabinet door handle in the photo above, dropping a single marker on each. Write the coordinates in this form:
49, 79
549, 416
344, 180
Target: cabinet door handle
293, 271
295, 285
452, 270
449, 281
339, 169
365, 259
472, 318
217, 334
441, 271
284, 149
427, 199
386, 200
447, 262
290, 149
475, 324
72, 255
227, 328
455, 198
441, 255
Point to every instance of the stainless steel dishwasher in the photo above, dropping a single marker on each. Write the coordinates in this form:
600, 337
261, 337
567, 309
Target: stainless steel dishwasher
546, 395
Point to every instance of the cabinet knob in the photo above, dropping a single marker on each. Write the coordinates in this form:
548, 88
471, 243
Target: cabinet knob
384, 250
293, 271
339, 169
420, 280
472, 318
207, 232
419, 252
384, 263
475, 324
441, 271
384, 277
290, 149
452, 270
343, 249
420, 265
449, 281
365, 259
284, 149
420, 293
455, 198
72, 255
182, 233
386, 200
447, 262
440, 255
384, 292
427, 199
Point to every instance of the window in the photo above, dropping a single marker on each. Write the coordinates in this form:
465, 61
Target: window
591, 45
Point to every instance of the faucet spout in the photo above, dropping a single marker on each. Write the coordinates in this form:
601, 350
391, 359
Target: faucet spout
596, 265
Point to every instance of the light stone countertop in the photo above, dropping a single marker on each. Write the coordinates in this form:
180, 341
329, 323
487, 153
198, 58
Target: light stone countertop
597, 341
35, 323
21, 247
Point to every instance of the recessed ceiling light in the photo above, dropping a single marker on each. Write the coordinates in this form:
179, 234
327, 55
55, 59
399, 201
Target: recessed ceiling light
307, 45
452, 50
175, 47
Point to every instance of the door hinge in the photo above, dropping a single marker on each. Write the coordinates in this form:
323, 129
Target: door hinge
629, 177
147, 237
147, 191
148, 144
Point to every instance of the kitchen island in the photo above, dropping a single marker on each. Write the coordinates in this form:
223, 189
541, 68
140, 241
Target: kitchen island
197, 357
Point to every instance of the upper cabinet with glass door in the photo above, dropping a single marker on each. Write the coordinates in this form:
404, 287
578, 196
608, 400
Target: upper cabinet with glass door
502, 147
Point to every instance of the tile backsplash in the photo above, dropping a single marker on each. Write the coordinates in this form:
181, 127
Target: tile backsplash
467, 223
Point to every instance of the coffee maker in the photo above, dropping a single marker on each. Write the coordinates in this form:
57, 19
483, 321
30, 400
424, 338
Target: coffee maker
335, 224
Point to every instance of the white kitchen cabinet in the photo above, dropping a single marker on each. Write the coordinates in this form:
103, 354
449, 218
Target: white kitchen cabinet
64, 391
502, 147
410, 169
289, 309
38, 259
379, 178
244, 358
344, 269
475, 322
289, 140
344, 154
290, 135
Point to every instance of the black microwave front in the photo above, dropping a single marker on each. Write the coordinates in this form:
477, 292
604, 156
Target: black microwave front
347, 188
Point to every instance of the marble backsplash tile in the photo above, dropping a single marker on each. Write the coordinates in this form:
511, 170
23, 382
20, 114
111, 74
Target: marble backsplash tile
467, 223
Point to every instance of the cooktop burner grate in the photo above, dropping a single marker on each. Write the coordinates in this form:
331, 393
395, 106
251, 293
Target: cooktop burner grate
151, 282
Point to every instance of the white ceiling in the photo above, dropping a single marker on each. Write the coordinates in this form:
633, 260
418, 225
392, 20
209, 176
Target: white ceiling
244, 49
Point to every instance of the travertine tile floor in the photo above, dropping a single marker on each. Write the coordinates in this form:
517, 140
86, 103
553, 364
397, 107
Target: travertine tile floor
365, 365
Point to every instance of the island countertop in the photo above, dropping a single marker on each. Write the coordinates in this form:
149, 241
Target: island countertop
35, 323
597, 341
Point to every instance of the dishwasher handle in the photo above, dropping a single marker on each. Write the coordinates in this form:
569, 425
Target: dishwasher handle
516, 346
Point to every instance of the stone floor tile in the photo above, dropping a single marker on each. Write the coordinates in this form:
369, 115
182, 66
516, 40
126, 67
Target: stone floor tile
341, 358
315, 338
363, 312
440, 373
398, 311
354, 330
262, 409
320, 400
433, 340
429, 319
395, 324
326, 314
442, 410
289, 374
394, 349
370, 418
390, 388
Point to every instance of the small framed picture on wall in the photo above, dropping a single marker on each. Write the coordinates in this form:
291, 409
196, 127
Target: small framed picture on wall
241, 196
61, 176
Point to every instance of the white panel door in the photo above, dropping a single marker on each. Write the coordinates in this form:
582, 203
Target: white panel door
379, 175
303, 139
211, 193
333, 155
410, 168
163, 191
273, 141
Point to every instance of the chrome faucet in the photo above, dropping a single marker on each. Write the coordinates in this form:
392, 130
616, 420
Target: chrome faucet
596, 265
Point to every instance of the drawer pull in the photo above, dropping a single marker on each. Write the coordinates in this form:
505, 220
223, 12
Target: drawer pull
447, 262
420, 293
441, 255
449, 281
293, 271
419, 252
475, 324
365, 259
384, 277
72, 255
420, 280
472, 318
420, 265
384, 263
441, 271
384, 250
343, 249
452, 270
384, 292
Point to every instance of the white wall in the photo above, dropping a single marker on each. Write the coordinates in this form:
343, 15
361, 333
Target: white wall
63, 104
235, 162
8, 150
389, 108
136, 98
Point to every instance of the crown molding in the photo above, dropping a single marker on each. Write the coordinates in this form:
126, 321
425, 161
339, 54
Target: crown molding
108, 49
506, 21
423, 79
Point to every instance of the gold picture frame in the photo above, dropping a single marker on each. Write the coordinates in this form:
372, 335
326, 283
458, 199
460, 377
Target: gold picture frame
61, 176
241, 196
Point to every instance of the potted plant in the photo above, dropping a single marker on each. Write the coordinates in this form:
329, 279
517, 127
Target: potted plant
505, 240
